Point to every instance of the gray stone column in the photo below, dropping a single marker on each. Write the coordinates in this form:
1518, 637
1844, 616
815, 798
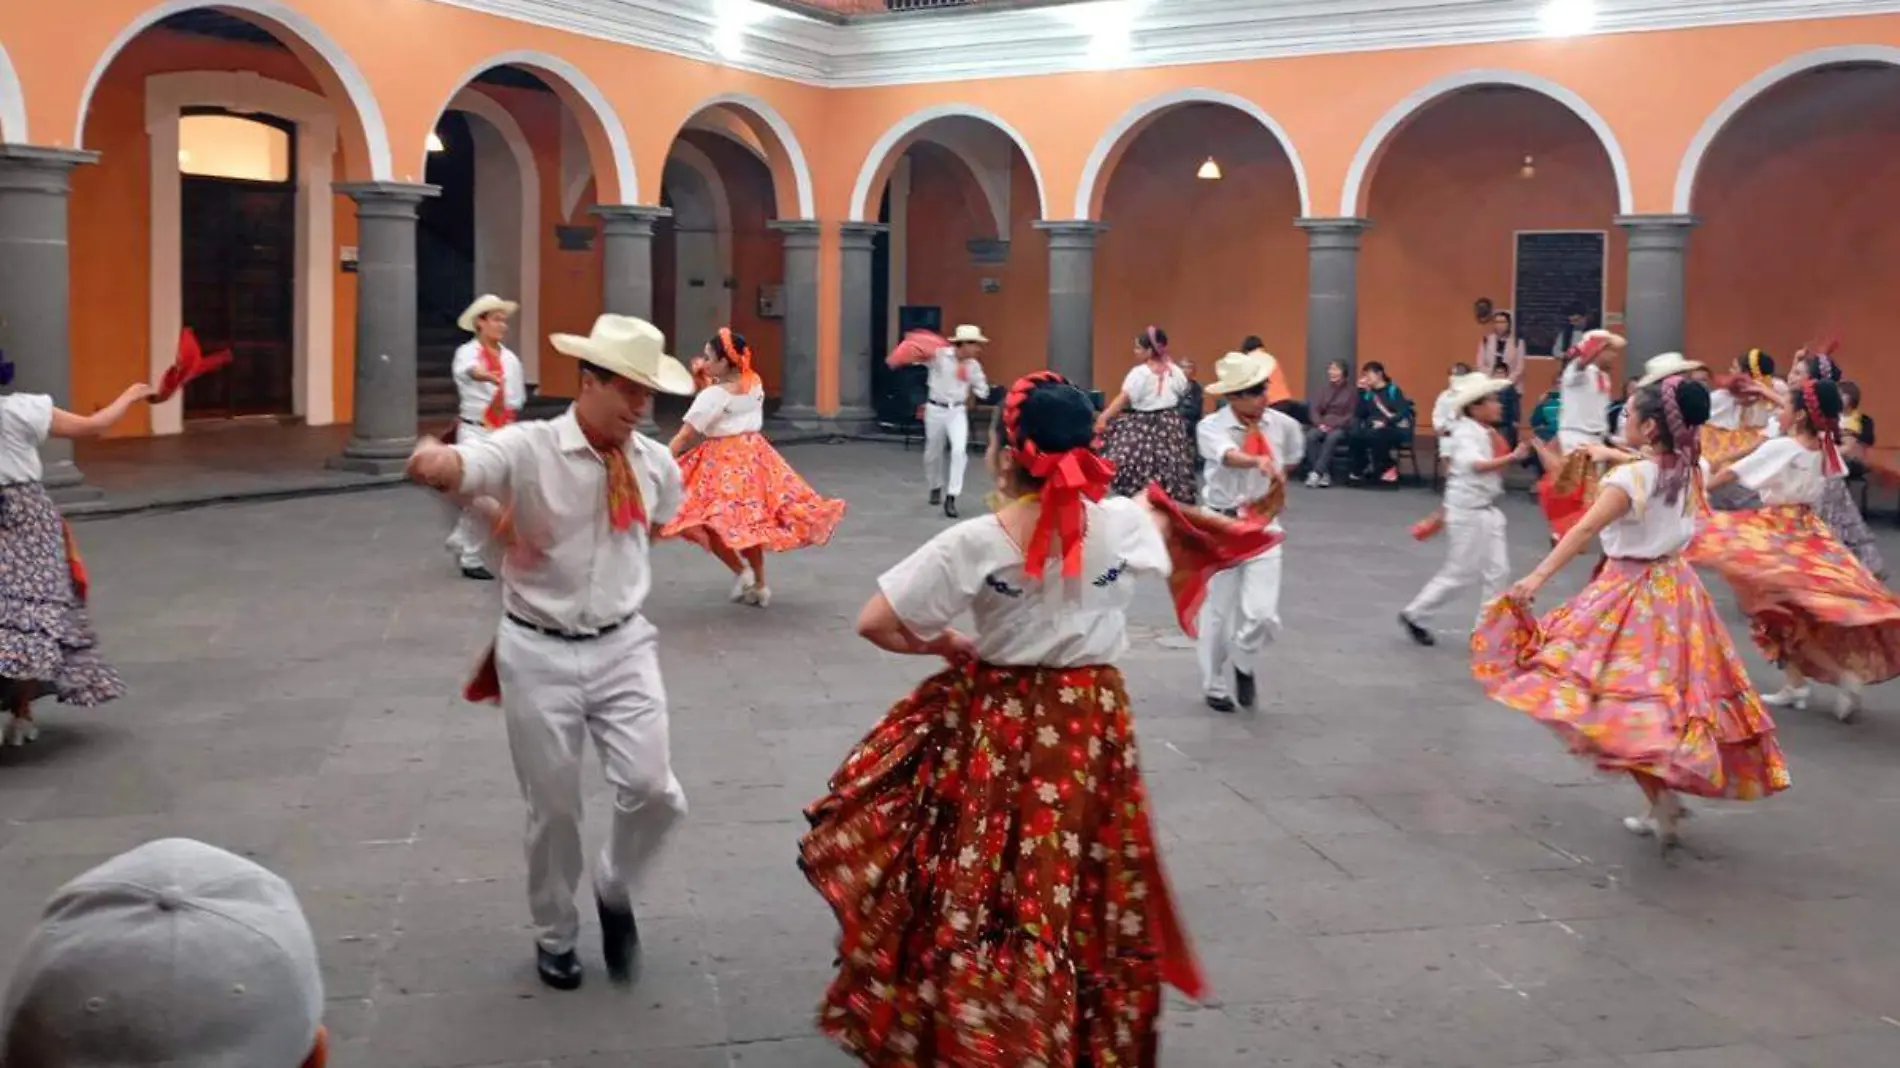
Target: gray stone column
385, 399
1072, 298
1653, 308
626, 276
798, 375
1332, 294
855, 343
35, 305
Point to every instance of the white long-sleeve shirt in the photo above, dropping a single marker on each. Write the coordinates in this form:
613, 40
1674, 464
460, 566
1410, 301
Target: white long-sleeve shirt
1226, 488
947, 387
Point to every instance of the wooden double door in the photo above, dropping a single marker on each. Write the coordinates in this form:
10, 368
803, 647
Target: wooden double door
239, 292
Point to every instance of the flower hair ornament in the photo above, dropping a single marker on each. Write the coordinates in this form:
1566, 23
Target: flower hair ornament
1827, 428
1157, 347
1070, 479
739, 356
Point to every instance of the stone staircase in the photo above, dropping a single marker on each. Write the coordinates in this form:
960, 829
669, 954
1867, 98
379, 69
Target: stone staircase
435, 386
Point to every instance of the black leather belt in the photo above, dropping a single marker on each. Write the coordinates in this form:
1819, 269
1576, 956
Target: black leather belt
475, 423
940, 404
564, 635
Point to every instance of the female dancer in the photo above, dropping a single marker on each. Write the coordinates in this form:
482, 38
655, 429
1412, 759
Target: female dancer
1637, 671
1836, 506
987, 848
742, 500
1150, 443
46, 640
1813, 607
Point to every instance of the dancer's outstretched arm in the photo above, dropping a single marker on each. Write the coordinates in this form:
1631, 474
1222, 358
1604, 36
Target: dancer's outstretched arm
1611, 504
67, 424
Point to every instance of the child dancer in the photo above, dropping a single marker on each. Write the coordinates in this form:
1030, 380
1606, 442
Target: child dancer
1570, 472
1637, 671
1836, 507
1142, 431
1814, 609
1476, 455
1246, 448
742, 499
987, 849
46, 640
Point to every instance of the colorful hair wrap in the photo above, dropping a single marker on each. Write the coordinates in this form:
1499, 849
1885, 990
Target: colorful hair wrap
1156, 346
1826, 428
1684, 456
1752, 363
740, 356
1069, 479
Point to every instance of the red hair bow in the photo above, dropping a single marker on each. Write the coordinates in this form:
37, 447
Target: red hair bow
191, 363
1068, 480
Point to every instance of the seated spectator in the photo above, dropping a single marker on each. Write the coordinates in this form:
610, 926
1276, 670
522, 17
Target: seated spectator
1444, 411
1335, 404
1382, 423
1857, 431
174, 954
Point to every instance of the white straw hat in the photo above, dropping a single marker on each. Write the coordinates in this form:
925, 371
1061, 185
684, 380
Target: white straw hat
487, 302
1667, 365
967, 334
1240, 371
632, 348
1467, 390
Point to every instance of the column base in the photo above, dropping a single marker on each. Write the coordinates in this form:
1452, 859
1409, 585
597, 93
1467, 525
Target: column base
800, 417
66, 485
852, 422
374, 456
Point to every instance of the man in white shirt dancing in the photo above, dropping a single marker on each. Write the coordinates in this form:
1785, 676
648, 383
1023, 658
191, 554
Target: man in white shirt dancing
955, 378
491, 389
573, 655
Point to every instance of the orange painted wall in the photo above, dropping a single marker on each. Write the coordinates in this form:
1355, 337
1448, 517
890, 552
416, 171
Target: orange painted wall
1797, 241
1445, 201
1208, 261
947, 209
758, 253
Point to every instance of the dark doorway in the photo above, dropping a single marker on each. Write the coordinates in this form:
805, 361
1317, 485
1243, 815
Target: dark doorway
666, 280
238, 277
445, 263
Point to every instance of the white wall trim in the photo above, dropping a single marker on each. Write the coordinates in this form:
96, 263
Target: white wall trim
890, 142
1719, 119
795, 153
12, 103
1139, 115
1424, 96
313, 327
528, 320
622, 156
368, 113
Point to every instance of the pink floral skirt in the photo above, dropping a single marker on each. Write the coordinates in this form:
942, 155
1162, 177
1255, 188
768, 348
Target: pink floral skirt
1638, 674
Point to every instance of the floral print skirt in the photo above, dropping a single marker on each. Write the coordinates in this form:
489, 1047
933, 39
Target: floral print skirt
1637, 673
1810, 603
988, 854
742, 492
1152, 447
46, 639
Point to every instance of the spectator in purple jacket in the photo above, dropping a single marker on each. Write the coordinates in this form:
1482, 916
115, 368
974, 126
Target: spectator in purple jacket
1333, 405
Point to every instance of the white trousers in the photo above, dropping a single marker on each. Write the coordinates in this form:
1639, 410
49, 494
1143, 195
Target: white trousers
946, 428
1239, 617
471, 532
555, 693
1476, 554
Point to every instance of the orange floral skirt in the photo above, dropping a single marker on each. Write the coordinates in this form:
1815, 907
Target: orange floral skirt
988, 854
1637, 673
740, 491
1810, 603
1722, 445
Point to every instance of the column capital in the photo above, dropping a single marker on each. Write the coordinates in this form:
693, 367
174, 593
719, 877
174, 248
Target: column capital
1071, 233
391, 200
32, 168
1333, 232
799, 233
859, 235
1658, 231
634, 219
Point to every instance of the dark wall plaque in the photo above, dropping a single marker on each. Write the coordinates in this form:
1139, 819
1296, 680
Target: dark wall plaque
1555, 269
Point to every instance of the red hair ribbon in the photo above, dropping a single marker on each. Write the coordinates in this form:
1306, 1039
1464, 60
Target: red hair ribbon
1828, 430
1069, 479
191, 363
740, 355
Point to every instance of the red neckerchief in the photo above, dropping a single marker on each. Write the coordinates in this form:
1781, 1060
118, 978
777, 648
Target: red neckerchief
1069, 480
1255, 443
1500, 448
497, 415
624, 506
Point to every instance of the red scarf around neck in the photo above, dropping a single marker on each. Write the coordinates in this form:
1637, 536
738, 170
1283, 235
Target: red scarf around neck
625, 508
498, 414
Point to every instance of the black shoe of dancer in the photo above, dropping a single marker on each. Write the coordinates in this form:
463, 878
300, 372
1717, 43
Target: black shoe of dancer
479, 574
1419, 634
950, 506
619, 940
936, 498
1220, 704
562, 971
1244, 689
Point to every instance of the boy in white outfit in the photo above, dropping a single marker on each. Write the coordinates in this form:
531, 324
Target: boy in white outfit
1247, 448
573, 656
491, 388
955, 377
1475, 457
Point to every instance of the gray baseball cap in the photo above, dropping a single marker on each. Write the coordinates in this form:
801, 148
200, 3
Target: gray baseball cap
176, 953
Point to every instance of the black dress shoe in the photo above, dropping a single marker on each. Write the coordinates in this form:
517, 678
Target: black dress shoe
480, 574
1220, 704
950, 506
1419, 634
562, 971
619, 940
1243, 689
936, 498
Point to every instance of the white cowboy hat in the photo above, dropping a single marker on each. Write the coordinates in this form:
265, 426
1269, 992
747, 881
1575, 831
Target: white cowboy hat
1467, 390
632, 348
1240, 371
487, 302
967, 334
1669, 364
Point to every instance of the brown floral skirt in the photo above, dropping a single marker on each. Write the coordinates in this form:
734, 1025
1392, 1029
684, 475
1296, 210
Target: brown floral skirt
988, 853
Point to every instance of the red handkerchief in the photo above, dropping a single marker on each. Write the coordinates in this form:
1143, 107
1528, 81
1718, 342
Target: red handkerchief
484, 687
191, 364
917, 347
1200, 544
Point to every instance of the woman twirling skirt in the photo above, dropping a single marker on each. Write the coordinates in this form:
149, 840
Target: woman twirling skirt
47, 644
1152, 447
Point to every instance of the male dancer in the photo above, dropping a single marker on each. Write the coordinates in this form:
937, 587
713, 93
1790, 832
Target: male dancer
955, 376
1247, 448
490, 384
573, 655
